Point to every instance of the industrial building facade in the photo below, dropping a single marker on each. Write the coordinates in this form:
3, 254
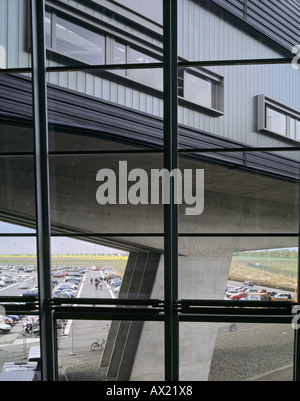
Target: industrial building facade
91, 86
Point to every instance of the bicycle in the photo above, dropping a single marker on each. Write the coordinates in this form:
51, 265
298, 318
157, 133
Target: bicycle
99, 343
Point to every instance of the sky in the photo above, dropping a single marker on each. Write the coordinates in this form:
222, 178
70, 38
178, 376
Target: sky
59, 245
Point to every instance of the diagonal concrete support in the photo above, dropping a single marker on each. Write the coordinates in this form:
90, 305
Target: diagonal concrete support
123, 337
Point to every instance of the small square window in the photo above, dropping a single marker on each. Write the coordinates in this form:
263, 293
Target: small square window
298, 130
276, 121
198, 90
276, 118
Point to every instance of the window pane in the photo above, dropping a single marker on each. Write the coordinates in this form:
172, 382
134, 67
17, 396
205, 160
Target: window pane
198, 90
18, 265
48, 20
119, 56
20, 348
292, 128
119, 53
298, 130
151, 77
79, 43
275, 121
127, 351
252, 352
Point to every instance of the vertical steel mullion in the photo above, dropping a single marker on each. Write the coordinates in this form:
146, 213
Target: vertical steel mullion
171, 209
296, 367
39, 97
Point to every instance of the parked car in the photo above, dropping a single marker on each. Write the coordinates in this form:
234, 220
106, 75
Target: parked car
23, 285
4, 328
111, 276
59, 274
9, 280
62, 294
115, 282
238, 296
2, 283
7, 320
72, 280
232, 292
30, 293
16, 318
71, 286
285, 296
251, 290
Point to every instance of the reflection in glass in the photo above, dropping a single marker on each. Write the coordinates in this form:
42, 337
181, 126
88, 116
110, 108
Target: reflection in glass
48, 30
119, 53
79, 43
150, 77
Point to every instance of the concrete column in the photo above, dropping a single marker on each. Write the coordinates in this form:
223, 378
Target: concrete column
201, 276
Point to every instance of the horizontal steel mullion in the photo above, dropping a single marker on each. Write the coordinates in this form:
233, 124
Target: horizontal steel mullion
106, 301
236, 311
181, 64
184, 303
93, 313
228, 318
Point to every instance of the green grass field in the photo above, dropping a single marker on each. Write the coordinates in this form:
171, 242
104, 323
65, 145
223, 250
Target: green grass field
276, 272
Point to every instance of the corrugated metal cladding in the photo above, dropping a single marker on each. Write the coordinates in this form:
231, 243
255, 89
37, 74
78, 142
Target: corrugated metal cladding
277, 19
207, 35
203, 35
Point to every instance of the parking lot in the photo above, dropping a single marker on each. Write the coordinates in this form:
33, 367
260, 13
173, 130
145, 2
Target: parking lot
260, 347
74, 337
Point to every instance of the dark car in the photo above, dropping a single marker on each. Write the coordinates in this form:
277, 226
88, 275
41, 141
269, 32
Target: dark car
30, 293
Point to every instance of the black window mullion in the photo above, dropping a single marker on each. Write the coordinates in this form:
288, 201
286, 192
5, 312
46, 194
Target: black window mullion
171, 209
39, 91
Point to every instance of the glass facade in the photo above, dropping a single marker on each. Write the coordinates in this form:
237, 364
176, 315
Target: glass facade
149, 210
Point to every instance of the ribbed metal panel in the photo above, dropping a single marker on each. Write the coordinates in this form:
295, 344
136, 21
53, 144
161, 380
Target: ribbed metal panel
13, 33
277, 19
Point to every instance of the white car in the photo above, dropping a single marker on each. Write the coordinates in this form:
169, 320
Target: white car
2, 283
283, 295
4, 328
232, 292
23, 285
